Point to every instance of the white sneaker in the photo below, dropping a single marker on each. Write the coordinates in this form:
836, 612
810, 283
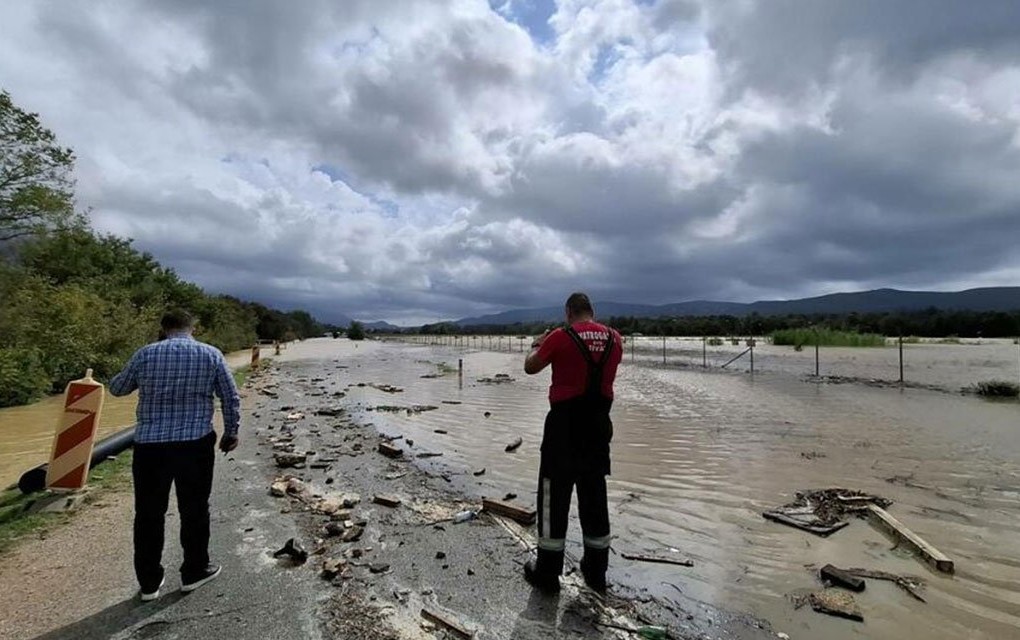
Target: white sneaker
148, 597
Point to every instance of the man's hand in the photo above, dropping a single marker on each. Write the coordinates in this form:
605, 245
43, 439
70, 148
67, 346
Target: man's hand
537, 342
228, 443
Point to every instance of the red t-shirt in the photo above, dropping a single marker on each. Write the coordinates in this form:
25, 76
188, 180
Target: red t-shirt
569, 368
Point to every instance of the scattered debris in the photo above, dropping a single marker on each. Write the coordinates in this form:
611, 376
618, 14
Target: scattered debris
440, 555
429, 454
395, 476
478, 472
812, 455
657, 559
441, 432
836, 603
285, 460
331, 567
353, 534
388, 388
378, 567
293, 550
822, 512
331, 412
910, 584
514, 445
386, 501
510, 496
931, 555
333, 529
515, 513
840, 578
462, 516
499, 378
447, 621
294, 417
389, 450
452, 402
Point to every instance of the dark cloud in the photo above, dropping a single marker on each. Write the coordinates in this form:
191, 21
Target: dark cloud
412, 160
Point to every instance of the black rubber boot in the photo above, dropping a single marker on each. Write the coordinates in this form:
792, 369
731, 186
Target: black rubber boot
594, 565
544, 572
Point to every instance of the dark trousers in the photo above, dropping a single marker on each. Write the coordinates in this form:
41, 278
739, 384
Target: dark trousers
575, 453
189, 467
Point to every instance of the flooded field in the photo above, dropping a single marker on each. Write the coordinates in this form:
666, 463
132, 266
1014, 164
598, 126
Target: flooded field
698, 456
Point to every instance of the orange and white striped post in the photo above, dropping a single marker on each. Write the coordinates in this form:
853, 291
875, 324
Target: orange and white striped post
76, 432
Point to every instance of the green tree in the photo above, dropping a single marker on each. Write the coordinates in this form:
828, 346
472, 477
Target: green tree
356, 331
36, 184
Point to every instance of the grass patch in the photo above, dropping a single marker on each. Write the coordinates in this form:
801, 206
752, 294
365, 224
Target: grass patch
241, 374
826, 338
715, 342
998, 389
16, 524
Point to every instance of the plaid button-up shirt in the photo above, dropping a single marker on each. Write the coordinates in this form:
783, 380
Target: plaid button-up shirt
176, 379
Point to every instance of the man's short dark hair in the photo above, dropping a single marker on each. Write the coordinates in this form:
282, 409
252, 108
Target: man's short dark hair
176, 320
579, 304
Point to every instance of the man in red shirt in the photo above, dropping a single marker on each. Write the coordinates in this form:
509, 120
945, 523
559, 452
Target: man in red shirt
575, 445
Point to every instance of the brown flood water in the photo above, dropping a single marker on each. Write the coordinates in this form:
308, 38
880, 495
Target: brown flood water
26, 433
697, 456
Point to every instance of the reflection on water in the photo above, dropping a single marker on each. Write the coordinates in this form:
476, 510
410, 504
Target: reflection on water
698, 456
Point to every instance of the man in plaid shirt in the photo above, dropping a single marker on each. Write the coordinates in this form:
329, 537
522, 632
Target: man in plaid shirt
176, 379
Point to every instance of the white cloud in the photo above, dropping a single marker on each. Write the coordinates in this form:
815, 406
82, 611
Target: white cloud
415, 159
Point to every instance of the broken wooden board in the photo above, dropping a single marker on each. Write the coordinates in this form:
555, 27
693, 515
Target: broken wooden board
386, 501
817, 529
910, 584
515, 513
389, 450
840, 578
836, 603
657, 559
931, 555
447, 621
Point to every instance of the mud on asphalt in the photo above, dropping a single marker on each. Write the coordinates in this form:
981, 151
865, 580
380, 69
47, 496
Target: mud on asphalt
381, 566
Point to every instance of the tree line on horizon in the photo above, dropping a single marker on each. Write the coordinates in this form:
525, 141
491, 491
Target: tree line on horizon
927, 323
73, 298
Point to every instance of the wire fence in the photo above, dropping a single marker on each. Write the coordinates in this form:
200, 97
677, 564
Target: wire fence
948, 364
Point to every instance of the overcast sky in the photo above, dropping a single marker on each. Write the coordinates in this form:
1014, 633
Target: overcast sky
414, 160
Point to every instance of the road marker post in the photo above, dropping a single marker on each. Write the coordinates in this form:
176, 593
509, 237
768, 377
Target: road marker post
71, 453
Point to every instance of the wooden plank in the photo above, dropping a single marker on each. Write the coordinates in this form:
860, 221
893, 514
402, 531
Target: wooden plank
931, 555
386, 501
515, 513
448, 621
821, 530
840, 578
910, 584
658, 559
389, 450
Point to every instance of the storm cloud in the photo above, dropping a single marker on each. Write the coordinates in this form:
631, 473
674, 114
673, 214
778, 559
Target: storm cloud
415, 160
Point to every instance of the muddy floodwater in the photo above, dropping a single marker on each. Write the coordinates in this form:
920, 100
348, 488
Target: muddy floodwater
698, 455
26, 433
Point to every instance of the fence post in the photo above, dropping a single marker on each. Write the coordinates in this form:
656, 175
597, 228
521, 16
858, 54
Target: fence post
752, 356
460, 373
632, 341
901, 359
816, 354
663, 348
704, 352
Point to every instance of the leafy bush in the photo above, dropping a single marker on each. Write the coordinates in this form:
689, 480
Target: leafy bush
356, 331
826, 337
998, 389
22, 376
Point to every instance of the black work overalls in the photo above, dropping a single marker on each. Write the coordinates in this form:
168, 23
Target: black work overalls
575, 451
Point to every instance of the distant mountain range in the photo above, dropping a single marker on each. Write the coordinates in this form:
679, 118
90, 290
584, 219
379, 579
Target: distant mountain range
875, 301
